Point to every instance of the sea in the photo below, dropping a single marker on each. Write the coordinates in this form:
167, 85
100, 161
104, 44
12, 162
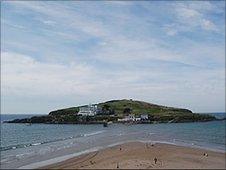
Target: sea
32, 146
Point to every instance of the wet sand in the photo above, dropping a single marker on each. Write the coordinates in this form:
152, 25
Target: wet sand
137, 155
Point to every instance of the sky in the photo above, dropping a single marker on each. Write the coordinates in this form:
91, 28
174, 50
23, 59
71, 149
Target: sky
58, 54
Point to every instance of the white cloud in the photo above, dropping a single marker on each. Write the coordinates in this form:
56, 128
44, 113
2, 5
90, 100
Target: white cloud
208, 25
24, 76
55, 11
184, 13
120, 49
12, 24
190, 16
49, 22
170, 29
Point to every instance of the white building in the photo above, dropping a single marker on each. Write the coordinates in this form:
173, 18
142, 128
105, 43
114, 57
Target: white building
132, 118
137, 119
128, 118
144, 116
89, 110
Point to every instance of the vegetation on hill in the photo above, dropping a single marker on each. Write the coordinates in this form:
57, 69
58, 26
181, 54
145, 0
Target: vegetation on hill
115, 109
122, 107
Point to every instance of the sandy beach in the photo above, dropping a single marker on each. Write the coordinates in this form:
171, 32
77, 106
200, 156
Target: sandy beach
137, 155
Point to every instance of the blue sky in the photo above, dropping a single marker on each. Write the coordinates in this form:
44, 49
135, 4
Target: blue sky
58, 54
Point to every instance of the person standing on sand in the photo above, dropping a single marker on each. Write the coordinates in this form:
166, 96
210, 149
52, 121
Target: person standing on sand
205, 154
155, 159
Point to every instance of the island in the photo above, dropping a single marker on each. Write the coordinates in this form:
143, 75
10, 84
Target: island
118, 111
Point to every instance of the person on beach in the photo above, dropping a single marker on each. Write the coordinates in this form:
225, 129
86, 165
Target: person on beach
155, 159
205, 154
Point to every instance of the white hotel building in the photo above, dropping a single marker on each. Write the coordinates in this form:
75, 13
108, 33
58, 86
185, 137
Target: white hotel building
89, 110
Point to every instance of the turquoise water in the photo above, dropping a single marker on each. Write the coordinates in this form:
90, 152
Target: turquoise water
23, 145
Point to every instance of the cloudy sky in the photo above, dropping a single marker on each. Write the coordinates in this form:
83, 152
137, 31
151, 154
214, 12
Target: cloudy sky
59, 54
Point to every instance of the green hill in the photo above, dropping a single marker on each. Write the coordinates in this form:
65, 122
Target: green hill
132, 106
114, 109
157, 113
140, 107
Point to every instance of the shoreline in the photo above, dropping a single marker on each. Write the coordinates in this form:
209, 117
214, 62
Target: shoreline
93, 138
139, 155
62, 160
115, 122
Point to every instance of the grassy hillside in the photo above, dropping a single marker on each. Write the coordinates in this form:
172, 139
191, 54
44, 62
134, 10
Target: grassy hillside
140, 107
114, 109
66, 111
123, 107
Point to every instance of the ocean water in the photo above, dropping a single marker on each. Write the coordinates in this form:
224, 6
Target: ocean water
32, 146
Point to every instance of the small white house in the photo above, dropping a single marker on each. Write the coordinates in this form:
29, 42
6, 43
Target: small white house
137, 119
89, 110
129, 118
144, 116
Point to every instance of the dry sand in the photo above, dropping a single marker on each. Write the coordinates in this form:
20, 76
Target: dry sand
136, 155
